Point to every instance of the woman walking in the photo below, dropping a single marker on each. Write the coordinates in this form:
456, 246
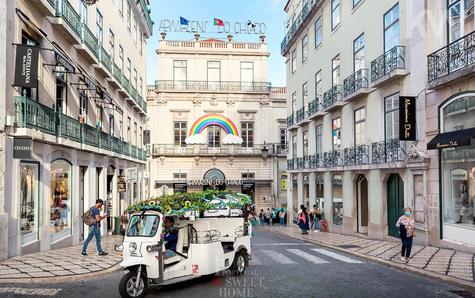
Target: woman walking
407, 230
318, 218
261, 218
303, 221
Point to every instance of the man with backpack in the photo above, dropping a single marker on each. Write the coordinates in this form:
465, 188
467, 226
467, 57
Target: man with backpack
92, 218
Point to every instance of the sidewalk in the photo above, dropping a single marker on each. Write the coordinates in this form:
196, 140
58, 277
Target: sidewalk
61, 264
446, 264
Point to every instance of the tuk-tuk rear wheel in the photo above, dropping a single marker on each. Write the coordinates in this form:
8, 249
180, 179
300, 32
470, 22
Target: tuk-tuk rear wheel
239, 264
127, 287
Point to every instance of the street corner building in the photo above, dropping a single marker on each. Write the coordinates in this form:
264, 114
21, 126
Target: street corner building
216, 123
380, 115
74, 115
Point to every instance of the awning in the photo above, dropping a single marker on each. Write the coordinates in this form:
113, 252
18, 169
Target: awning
452, 139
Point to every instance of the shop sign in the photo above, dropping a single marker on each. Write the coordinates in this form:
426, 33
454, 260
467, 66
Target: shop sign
22, 148
121, 184
218, 26
26, 66
283, 181
60, 60
407, 118
201, 182
131, 175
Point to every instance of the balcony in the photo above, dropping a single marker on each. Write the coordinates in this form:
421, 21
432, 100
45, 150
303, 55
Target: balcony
225, 150
290, 121
89, 45
148, 19
356, 85
105, 63
356, 156
315, 161
333, 159
34, 115
454, 61
333, 98
222, 86
46, 7
388, 151
291, 164
389, 66
300, 163
67, 18
300, 115
308, 10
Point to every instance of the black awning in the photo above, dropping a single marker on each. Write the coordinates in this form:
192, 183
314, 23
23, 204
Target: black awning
452, 139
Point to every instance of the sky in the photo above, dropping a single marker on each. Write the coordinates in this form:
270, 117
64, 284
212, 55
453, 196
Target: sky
270, 12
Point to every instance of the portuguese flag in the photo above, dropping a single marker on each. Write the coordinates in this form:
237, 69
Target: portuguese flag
218, 22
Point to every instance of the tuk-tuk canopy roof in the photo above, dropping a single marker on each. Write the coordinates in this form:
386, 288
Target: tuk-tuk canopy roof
181, 203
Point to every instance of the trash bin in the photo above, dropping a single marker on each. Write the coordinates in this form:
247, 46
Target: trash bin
117, 225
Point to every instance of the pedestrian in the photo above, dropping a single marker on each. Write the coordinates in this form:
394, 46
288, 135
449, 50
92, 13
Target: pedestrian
252, 221
311, 217
267, 215
318, 218
282, 217
261, 217
407, 230
273, 215
303, 221
124, 220
95, 228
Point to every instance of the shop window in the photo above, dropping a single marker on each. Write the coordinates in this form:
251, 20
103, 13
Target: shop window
336, 133
337, 198
60, 198
214, 136
320, 193
29, 201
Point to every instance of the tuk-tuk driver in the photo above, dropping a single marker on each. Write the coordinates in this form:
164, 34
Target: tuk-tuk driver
171, 237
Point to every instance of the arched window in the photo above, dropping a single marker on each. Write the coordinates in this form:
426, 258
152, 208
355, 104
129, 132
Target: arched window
458, 113
60, 199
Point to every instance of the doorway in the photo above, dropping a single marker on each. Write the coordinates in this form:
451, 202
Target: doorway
109, 202
248, 189
395, 197
362, 204
82, 174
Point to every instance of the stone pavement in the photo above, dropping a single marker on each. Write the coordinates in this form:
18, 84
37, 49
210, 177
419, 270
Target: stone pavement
64, 262
446, 264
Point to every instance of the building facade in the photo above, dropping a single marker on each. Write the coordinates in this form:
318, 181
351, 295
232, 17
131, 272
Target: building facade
222, 125
345, 77
76, 132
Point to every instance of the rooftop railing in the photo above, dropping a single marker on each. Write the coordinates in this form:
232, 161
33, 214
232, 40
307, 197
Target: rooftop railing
226, 86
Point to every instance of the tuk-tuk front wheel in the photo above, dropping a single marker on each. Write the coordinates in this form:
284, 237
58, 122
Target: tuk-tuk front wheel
239, 264
128, 287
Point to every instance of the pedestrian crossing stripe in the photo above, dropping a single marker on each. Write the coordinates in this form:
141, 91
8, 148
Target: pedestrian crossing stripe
254, 261
278, 257
307, 256
336, 256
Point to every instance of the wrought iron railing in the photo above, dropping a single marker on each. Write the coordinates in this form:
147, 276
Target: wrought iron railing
290, 164
30, 113
451, 58
393, 59
358, 155
290, 121
88, 38
117, 73
66, 11
297, 23
356, 81
300, 115
333, 158
388, 151
315, 161
331, 97
69, 128
105, 140
193, 150
300, 163
147, 15
164, 85
314, 106
52, 3
106, 60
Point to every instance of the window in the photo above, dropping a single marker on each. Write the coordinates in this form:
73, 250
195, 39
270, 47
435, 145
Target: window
129, 16
83, 104
60, 202
337, 197
304, 48
283, 136
135, 140
304, 94
179, 71
121, 7
179, 132
294, 102
140, 87
320, 192
248, 176
129, 124
214, 136
61, 91
319, 139
358, 53
305, 142
112, 44
214, 74
355, 2
121, 127
99, 26
141, 42
82, 12
391, 116
136, 34
247, 134
336, 133
111, 125
121, 58
129, 69
294, 60
336, 70
294, 146
247, 72
143, 225
461, 18
140, 142
318, 32
29, 176
391, 28
135, 78
318, 85
335, 13
179, 176
360, 126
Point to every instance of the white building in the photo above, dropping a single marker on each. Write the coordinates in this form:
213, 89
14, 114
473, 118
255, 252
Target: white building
84, 118
211, 96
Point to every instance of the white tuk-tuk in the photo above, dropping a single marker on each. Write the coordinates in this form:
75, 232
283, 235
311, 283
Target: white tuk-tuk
204, 246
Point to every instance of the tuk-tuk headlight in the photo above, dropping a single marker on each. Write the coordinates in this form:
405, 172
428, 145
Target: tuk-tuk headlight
119, 247
132, 247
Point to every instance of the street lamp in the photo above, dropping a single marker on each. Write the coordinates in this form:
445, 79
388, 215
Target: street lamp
264, 152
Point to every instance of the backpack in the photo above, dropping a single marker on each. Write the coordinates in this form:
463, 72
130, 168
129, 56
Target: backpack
87, 218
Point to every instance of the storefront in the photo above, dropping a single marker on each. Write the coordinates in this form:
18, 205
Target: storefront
60, 199
456, 146
337, 200
29, 207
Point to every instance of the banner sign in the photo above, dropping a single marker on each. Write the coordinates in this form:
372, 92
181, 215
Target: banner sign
407, 118
63, 62
22, 148
26, 66
121, 184
218, 26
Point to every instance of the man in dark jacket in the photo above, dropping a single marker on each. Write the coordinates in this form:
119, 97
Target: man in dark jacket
171, 237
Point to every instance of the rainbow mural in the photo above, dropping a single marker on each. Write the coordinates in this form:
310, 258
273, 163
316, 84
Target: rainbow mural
214, 119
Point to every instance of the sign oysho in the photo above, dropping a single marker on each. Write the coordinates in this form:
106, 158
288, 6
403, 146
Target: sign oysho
22, 147
218, 26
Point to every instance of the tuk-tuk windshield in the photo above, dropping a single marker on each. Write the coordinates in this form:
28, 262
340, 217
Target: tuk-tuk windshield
143, 226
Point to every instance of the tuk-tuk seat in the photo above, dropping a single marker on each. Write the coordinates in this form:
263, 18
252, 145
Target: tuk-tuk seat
182, 233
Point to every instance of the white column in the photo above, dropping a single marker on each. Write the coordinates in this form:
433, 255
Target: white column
376, 204
312, 188
299, 190
348, 202
290, 199
327, 192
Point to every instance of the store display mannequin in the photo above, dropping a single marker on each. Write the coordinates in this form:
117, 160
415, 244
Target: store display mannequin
465, 202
